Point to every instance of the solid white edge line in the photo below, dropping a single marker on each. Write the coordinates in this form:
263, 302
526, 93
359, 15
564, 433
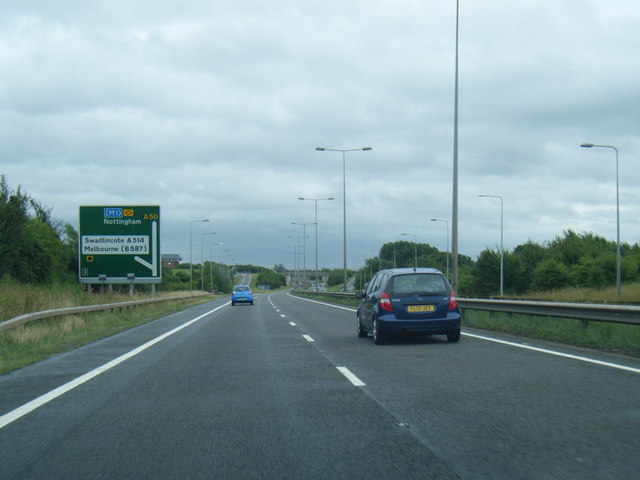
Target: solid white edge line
29, 407
558, 354
518, 345
351, 377
322, 303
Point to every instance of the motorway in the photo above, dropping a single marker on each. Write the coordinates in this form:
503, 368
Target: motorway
285, 389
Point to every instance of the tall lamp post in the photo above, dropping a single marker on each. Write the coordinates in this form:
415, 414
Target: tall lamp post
394, 254
377, 254
296, 262
304, 245
415, 248
447, 252
316, 200
501, 241
202, 257
293, 252
618, 255
454, 203
211, 257
344, 202
191, 251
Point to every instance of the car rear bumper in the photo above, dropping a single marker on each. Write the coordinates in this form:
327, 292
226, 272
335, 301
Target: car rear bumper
241, 299
389, 324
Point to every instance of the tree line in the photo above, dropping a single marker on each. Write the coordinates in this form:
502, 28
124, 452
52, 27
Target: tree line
570, 260
36, 248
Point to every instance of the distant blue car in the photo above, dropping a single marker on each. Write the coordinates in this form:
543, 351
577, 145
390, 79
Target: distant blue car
241, 294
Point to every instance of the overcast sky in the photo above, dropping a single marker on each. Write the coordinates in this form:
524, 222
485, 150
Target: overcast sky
213, 109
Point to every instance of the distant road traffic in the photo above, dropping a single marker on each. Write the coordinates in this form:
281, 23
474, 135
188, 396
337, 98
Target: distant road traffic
242, 279
286, 389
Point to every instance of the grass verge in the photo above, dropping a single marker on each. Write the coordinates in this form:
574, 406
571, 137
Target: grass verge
40, 339
611, 337
630, 294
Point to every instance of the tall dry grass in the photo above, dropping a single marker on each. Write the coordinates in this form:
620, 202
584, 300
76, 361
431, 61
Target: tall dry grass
17, 299
629, 293
37, 340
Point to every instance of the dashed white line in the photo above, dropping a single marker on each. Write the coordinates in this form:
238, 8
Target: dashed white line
308, 338
512, 344
292, 324
351, 377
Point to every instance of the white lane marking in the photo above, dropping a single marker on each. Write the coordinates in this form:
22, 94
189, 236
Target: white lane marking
518, 345
352, 378
283, 316
308, 338
322, 303
558, 354
29, 407
292, 324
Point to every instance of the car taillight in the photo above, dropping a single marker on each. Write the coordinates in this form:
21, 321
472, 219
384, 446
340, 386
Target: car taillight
453, 301
385, 302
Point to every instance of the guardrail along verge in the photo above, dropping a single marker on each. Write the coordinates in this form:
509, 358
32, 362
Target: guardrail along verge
626, 314
58, 312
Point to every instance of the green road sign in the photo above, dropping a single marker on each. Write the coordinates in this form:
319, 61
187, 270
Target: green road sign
119, 244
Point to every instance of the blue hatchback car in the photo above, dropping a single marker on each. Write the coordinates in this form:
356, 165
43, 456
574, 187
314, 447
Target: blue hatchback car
416, 301
241, 294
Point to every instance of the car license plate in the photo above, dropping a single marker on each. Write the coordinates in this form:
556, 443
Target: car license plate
420, 308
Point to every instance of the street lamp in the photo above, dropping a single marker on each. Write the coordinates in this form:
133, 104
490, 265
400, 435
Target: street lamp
296, 263
447, 252
454, 203
227, 253
370, 267
344, 202
415, 248
211, 257
304, 246
202, 257
501, 240
618, 256
394, 254
294, 252
378, 254
191, 252
316, 200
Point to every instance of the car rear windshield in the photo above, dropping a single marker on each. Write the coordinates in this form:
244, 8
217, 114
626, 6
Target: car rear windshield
417, 283
241, 288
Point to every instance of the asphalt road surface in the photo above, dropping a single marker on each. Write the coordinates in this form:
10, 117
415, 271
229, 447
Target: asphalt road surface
285, 389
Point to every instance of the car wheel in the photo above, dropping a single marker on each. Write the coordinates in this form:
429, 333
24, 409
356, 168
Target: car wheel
251, 303
454, 335
233, 304
361, 332
378, 338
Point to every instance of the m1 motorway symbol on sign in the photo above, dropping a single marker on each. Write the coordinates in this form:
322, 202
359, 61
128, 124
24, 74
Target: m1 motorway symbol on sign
119, 244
